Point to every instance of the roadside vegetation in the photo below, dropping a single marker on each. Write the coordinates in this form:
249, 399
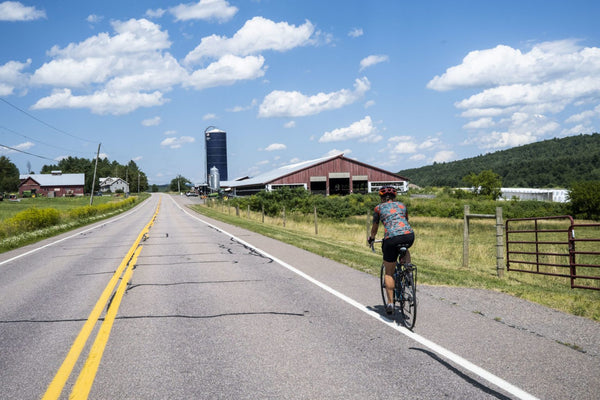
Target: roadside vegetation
342, 224
32, 219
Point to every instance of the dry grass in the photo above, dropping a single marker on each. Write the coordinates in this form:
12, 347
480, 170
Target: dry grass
438, 251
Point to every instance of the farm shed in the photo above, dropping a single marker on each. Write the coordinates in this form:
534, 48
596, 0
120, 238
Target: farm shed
328, 176
55, 184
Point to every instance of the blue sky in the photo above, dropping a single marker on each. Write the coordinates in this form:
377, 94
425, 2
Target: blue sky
396, 84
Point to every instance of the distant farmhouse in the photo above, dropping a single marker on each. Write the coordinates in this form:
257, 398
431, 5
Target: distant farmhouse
329, 175
112, 185
55, 184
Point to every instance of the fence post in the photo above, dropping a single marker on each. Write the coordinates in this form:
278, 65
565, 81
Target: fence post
316, 224
499, 247
237, 210
263, 213
466, 237
248, 212
284, 216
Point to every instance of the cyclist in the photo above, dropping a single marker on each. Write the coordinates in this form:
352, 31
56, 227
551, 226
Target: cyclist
394, 216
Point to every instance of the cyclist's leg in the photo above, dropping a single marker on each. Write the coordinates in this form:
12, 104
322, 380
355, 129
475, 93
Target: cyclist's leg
389, 280
390, 255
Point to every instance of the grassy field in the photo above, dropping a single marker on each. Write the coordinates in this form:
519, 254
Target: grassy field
9, 208
47, 217
437, 252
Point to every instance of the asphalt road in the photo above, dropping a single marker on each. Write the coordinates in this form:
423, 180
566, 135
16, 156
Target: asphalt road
216, 312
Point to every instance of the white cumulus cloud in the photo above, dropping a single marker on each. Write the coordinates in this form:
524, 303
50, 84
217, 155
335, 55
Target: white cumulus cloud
356, 32
280, 103
358, 129
204, 10
444, 156
101, 102
175, 143
227, 71
518, 93
372, 60
335, 152
276, 146
12, 77
257, 35
151, 121
16, 11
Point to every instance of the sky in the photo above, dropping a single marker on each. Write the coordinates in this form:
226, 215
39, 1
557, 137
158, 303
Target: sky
392, 83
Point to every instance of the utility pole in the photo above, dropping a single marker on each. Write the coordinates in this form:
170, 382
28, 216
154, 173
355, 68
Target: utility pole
94, 180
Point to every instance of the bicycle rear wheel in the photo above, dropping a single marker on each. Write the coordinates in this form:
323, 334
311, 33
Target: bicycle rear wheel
408, 298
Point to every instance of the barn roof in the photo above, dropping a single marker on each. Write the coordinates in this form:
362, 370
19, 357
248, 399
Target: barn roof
56, 180
272, 175
286, 170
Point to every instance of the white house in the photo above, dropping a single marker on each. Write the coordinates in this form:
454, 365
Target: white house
113, 184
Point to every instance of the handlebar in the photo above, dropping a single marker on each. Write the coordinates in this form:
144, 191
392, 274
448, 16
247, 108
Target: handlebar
373, 247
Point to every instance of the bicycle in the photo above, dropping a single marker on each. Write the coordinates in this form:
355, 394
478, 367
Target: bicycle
405, 288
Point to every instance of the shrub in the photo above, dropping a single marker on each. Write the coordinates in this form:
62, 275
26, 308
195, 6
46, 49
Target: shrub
34, 218
585, 199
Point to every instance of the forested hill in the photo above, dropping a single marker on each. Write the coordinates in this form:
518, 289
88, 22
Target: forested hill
552, 163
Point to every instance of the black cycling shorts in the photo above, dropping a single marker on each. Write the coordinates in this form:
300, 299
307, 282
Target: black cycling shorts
390, 246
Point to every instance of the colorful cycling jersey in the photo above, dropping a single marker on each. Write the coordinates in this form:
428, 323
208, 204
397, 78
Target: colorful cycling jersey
394, 216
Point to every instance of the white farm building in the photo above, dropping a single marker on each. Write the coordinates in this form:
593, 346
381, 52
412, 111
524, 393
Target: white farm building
113, 184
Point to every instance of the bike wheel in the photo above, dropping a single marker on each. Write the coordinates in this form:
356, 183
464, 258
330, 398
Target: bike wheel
408, 299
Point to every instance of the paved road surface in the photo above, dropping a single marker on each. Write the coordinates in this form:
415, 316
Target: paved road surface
207, 315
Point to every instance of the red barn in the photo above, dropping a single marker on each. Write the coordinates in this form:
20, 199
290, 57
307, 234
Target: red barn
55, 184
328, 175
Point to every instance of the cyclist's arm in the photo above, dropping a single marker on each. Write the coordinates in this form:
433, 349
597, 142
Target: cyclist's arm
375, 225
374, 229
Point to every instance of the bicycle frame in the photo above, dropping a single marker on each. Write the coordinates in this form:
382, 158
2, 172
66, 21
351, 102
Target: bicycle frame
404, 291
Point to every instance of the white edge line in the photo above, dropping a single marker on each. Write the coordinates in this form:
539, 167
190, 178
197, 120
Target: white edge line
488, 376
96, 226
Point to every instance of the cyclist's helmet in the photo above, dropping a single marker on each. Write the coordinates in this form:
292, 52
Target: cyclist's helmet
388, 191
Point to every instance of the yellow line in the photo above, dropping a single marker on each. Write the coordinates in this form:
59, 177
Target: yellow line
84, 383
62, 375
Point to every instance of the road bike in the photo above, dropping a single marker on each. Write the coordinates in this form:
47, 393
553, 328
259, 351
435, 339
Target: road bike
405, 289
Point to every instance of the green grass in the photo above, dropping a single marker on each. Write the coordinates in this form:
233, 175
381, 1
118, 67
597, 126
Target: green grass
437, 252
9, 208
73, 212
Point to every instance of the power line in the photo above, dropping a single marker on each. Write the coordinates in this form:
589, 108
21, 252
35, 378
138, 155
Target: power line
39, 141
45, 123
25, 152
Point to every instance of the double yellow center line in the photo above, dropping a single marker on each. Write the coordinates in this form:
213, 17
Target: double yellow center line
84, 382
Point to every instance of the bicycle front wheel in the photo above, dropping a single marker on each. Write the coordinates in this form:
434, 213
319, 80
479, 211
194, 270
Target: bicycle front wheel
408, 299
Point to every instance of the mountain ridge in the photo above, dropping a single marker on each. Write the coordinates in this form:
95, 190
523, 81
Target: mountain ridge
552, 163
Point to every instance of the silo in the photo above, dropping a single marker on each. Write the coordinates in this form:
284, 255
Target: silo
216, 150
214, 180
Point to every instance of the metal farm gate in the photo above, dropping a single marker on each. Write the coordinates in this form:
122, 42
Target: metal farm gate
550, 246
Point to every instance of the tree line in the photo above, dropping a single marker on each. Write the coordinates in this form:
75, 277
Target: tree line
130, 172
554, 163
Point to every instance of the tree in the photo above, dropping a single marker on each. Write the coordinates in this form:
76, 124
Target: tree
9, 175
179, 183
487, 183
585, 199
